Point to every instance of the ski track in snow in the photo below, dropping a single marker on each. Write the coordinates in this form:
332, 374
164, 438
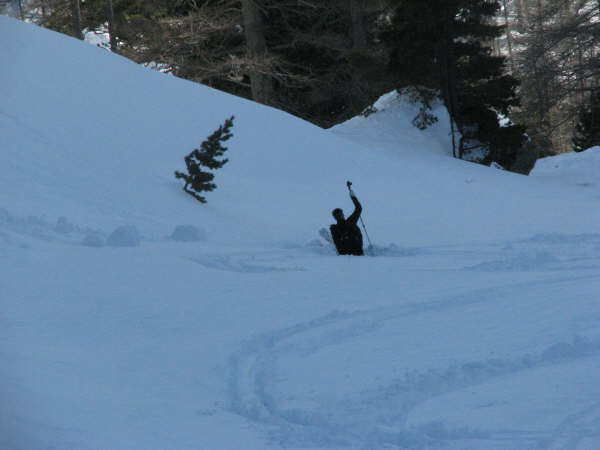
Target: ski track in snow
574, 429
252, 372
252, 366
244, 263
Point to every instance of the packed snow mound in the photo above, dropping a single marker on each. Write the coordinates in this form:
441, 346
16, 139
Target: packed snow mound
389, 123
577, 168
188, 233
124, 236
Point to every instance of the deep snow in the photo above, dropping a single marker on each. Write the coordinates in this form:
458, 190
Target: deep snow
132, 316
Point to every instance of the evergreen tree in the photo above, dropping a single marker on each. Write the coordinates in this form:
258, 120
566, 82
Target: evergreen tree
330, 64
206, 156
130, 21
587, 129
438, 44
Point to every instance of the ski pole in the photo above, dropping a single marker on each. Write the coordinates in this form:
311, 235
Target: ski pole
349, 184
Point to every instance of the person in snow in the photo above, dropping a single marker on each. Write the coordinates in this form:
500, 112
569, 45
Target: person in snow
346, 235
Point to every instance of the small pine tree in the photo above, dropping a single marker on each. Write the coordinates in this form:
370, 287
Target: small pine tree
206, 156
587, 129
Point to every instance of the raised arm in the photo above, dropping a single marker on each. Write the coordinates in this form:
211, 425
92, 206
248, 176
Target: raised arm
357, 208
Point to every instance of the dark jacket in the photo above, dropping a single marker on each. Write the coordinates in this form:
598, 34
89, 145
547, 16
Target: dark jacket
346, 235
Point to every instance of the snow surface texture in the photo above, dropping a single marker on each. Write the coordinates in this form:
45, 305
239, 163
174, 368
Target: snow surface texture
133, 317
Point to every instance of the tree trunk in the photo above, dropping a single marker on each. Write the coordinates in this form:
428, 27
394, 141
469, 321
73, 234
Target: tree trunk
359, 29
520, 13
509, 45
448, 83
254, 29
76, 18
112, 28
21, 14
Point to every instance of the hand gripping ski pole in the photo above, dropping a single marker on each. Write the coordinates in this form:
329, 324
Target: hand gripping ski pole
349, 184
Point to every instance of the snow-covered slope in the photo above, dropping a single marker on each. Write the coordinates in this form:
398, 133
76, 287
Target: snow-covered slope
85, 124
576, 169
474, 327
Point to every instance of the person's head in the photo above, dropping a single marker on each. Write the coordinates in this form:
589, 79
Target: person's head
338, 214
